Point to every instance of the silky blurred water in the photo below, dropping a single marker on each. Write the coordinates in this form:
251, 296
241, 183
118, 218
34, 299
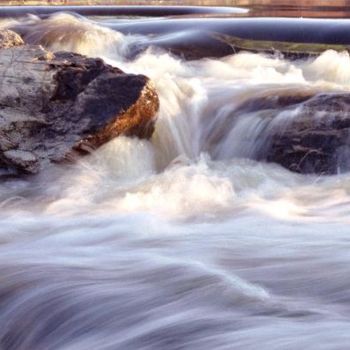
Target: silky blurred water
183, 241
257, 8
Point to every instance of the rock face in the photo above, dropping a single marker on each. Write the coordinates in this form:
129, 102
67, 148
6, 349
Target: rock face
313, 138
56, 105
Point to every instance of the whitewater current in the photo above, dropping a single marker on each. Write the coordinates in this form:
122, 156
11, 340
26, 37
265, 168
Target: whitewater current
183, 241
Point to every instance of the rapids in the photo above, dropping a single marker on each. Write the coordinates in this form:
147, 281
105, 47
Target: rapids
184, 241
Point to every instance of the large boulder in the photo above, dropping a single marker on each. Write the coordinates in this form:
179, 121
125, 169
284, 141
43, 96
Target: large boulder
56, 105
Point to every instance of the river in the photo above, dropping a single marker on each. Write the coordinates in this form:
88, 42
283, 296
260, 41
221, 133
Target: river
183, 241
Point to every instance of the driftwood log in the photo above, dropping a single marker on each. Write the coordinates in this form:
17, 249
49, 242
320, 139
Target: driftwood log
54, 105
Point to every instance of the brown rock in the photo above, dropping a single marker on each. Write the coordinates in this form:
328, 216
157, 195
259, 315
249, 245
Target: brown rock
8, 39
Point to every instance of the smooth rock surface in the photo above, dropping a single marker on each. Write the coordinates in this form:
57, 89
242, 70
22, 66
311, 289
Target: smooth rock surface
55, 105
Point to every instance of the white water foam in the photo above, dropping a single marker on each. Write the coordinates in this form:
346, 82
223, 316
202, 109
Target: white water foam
180, 241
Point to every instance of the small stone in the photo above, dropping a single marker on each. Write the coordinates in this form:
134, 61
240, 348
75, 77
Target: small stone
8, 39
46, 56
22, 160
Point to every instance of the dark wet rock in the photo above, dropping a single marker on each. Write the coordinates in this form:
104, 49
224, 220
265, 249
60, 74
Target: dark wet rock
317, 140
55, 106
313, 138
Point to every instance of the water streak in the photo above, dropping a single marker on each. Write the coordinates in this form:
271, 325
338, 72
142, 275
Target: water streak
183, 241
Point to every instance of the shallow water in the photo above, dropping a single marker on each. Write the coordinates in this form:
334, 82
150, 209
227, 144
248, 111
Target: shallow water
183, 241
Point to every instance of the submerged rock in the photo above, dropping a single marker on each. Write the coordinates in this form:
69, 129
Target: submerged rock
317, 140
56, 105
314, 135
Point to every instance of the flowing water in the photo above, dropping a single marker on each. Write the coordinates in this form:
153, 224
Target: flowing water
183, 241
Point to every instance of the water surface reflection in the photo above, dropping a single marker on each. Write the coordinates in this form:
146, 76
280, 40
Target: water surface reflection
258, 8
